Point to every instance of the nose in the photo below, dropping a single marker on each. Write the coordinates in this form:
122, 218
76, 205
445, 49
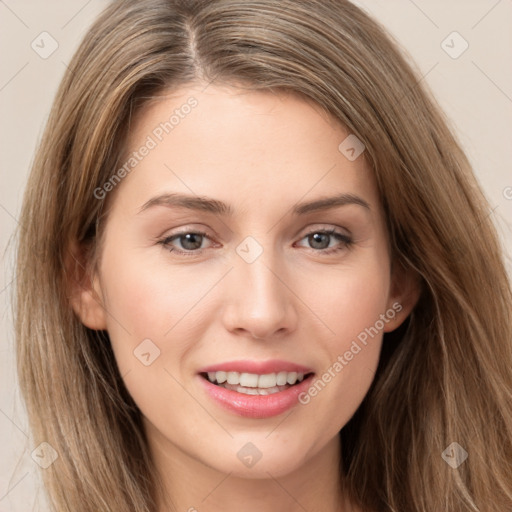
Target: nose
259, 302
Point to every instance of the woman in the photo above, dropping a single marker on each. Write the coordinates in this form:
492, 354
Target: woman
266, 275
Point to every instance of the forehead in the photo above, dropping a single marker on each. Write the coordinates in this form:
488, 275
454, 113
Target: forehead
254, 148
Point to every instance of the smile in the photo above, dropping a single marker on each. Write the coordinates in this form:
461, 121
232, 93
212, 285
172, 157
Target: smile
255, 389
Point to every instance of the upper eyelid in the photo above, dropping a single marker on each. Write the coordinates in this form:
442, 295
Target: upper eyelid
317, 226
330, 230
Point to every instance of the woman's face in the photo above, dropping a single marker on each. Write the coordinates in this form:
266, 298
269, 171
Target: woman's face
244, 241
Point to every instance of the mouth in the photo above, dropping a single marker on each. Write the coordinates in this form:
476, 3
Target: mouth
255, 384
255, 389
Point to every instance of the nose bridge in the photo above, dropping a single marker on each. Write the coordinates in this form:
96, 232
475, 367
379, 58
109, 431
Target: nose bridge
260, 303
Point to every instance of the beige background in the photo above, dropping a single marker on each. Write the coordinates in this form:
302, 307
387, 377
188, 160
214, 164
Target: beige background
475, 90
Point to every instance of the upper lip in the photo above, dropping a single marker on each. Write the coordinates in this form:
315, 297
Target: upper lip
257, 367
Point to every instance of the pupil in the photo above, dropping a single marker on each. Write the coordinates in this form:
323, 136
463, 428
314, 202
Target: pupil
190, 242
319, 240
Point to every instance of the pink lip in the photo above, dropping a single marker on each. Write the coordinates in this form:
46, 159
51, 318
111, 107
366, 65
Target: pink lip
256, 406
259, 367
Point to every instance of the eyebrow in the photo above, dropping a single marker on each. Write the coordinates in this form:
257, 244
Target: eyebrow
215, 206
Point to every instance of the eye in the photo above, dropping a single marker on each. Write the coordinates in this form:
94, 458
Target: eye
328, 241
189, 242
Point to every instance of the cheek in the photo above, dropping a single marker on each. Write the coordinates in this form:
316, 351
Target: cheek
158, 313
347, 298
149, 299
155, 316
352, 342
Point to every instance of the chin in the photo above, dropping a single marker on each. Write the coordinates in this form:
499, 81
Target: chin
255, 457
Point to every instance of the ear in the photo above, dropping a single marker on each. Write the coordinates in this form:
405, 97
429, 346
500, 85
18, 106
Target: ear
84, 291
404, 293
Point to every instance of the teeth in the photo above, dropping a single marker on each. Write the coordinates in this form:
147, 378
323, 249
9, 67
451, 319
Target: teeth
282, 378
267, 381
253, 380
233, 378
248, 380
291, 378
254, 391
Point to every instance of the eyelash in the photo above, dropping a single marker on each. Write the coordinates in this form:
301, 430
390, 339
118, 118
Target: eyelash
347, 242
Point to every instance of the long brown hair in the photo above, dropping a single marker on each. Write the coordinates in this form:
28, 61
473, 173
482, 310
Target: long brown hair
444, 376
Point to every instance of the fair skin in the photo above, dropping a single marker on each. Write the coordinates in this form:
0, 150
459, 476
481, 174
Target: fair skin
261, 154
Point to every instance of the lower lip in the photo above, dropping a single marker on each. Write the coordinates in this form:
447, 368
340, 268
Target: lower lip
256, 406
